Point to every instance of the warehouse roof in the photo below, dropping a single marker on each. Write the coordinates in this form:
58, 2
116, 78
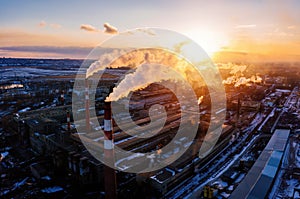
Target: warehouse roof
259, 179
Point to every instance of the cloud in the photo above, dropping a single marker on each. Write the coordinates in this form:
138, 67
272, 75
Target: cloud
110, 29
70, 51
55, 25
246, 26
147, 30
42, 24
291, 27
89, 28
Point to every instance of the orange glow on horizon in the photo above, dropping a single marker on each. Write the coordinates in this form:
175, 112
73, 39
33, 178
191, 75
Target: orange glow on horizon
238, 46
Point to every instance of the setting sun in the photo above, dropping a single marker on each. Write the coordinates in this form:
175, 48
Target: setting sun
210, 41
150, 99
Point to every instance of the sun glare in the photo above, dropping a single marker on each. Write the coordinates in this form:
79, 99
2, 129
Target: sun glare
210, 41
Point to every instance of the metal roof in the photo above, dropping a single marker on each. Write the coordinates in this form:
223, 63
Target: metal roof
259, 179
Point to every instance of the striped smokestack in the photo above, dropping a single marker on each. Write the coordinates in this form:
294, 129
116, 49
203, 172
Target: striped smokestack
62, 97
109, 173
69, 121
87, 107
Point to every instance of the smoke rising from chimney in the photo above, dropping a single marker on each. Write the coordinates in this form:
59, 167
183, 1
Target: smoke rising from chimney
144, 74
200, 100
237, 68
141, 78
238, 78
142, 49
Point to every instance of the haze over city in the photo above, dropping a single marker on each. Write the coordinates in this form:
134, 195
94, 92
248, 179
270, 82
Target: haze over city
252, 30
150, 99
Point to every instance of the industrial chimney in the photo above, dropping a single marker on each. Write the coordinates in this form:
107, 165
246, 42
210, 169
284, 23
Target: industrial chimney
62, 98
109, 173
69, 121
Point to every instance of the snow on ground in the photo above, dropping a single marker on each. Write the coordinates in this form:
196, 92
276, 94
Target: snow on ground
222, 170
290, 185
3, 155
297, 154
52, 189
33, 72
285, 182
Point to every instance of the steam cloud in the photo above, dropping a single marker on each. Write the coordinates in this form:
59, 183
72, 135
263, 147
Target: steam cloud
144, 75
141, 78
238, 81
237, 69
200, 100
238, 78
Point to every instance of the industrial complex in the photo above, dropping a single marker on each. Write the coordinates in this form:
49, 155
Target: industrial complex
43, 154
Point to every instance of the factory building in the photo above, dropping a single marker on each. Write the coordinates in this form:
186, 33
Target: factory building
49, 132
260, 178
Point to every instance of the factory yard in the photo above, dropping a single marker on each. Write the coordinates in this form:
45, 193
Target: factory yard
288, 181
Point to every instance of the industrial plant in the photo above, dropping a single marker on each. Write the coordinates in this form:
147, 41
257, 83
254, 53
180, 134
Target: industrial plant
44, 153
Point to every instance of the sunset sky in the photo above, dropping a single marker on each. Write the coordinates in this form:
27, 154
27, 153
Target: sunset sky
231, 30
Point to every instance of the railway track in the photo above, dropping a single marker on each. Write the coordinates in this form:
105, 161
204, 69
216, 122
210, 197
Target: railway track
219, 163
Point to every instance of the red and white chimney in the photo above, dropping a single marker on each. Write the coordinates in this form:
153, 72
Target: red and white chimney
62, 97
69, 121
109, 173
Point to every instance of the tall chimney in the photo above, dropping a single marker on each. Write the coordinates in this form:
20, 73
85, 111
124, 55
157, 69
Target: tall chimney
62, 97
109, 173
69, 121
87, 107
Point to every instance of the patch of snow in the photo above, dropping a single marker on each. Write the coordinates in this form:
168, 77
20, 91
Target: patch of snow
52, 189
291, 184
46, 178
3, 155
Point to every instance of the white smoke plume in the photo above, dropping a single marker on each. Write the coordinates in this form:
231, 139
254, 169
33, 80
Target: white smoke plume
242, 81
230, 80
238, 81
200, 100
141, 78
135, 59
103, 62
238, 78
237, 68
138, 57
256, 79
